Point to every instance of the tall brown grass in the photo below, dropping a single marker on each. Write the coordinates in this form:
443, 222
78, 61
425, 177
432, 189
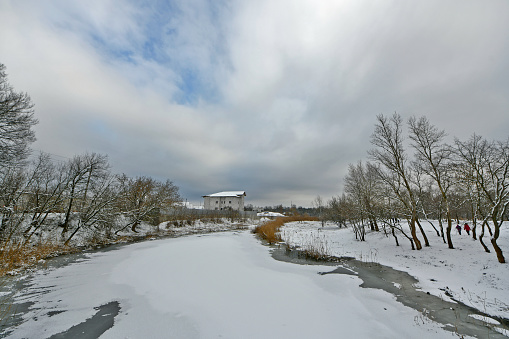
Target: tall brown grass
17, 255
269, 231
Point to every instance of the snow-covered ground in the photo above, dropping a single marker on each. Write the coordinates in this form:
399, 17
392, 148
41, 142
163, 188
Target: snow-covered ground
210, 286
467, 272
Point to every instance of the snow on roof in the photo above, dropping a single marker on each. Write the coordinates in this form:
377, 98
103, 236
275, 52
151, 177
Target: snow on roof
270, 214
227, 194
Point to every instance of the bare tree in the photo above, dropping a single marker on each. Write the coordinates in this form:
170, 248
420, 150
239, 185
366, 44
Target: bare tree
16, 122
434, 158
319, 205
12, 185
96, 207
45, 193
390, 154
142, 196
490, 166
427, 200
17, 194
362, 183
336, 211
81, 171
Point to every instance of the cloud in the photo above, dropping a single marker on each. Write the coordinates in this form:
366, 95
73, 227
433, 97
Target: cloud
272, 97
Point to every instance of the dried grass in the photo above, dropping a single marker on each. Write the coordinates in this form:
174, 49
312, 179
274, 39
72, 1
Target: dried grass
14, 256
269, 231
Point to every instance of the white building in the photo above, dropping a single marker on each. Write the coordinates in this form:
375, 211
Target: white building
233, 200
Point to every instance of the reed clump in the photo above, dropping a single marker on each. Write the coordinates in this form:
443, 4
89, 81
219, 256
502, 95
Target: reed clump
269, 231
14, 256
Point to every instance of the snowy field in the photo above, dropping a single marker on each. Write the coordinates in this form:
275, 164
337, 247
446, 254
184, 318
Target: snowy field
469, 274
221, 285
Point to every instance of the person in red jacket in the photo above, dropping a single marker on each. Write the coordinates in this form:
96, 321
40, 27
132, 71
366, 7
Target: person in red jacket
466, 228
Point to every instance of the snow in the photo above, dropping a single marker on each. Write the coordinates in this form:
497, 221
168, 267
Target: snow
269, 214
469, 274
216, 285
227, 194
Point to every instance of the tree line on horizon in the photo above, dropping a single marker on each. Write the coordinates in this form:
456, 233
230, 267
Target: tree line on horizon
419, 177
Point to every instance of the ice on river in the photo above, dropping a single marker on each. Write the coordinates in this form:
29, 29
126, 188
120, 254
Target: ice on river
217, 285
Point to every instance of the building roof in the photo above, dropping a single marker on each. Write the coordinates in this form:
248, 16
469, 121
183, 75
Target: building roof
269, 214
227, 194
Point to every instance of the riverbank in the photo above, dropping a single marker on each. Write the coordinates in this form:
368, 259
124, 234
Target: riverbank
17, 257
466, 273
208, 286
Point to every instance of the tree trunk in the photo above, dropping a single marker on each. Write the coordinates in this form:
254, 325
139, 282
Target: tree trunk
72, 235
3, 223
68, 213
494, 238
135, 224
412, 243
448, 232
489, 230
480, 239
474, 221
414, 234
394, 235
426, 242
442, 234
498, 251
483, 244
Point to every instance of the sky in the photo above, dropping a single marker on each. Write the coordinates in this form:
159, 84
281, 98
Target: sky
275, 98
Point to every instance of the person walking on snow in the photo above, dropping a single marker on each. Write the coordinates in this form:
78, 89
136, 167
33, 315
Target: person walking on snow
466, 228
458, 227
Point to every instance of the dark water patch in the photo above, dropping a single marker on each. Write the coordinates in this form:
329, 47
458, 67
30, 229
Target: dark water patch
19, 295
52, 313
93, 327
454, 316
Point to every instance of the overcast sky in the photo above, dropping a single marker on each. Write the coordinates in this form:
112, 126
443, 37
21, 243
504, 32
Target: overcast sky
272, 97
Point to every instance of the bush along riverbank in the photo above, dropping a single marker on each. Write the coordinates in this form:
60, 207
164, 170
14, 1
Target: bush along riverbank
17, 255
270, 230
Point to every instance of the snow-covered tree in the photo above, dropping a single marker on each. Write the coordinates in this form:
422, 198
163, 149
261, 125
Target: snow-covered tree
142, 196
81, 172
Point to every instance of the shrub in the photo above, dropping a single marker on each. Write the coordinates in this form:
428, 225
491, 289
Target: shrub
16, 255
269, 231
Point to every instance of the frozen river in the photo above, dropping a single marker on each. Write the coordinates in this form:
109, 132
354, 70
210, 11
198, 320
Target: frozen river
223, 285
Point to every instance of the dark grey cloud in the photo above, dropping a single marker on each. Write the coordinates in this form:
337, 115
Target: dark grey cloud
275, 98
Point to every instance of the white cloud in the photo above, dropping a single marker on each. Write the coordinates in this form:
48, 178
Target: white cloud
275, 98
